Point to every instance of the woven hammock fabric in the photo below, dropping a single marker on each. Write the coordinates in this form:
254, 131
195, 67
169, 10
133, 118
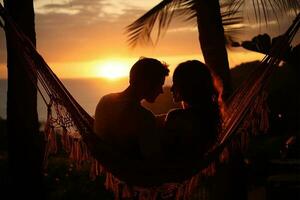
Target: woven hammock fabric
73, 126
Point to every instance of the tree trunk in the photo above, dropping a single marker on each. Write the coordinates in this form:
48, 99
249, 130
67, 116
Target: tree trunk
229, 182
25, 153
212, 41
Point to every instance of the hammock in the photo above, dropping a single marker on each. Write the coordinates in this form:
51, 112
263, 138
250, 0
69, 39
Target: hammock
247, 113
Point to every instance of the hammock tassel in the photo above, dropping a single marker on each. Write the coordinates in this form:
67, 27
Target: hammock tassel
179, 193
65, 140
126, 192
209, 171
109, 182
85, 153
50, 137
96, 169
51, 146
144, 194
191, 185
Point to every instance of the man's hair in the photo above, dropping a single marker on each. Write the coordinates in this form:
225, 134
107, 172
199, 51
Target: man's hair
147, 69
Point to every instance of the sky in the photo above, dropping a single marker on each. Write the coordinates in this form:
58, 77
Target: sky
86, 38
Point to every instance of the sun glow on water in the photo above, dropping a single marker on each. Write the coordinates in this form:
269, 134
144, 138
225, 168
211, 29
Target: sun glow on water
113, 69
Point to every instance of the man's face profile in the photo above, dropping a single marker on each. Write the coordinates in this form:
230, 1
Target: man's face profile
154, 89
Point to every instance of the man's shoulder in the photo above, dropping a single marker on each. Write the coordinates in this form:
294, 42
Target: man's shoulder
106, 102
109, 99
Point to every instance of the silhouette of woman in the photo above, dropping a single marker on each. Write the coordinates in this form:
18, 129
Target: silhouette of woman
191, 130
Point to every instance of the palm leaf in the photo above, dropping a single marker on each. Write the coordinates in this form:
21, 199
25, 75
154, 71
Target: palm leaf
232, 25
140, 30
263, 9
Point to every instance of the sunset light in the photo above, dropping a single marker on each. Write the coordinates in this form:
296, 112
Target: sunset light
113, 69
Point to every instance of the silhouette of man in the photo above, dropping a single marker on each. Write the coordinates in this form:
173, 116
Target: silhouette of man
121, 120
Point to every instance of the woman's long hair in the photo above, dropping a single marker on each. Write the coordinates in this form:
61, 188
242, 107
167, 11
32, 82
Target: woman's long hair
198, 87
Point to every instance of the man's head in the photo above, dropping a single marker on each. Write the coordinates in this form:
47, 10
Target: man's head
147, 76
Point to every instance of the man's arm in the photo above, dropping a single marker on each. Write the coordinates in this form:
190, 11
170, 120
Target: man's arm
149, 138
100, 122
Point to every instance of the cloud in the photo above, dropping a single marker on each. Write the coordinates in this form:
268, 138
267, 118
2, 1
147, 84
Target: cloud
95, 8
87, 36
84, 35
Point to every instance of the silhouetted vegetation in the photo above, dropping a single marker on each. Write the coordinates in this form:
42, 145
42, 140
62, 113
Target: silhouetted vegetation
269, 156
283, 100
62, 180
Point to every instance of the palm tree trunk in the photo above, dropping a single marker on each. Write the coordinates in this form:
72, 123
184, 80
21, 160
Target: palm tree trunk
230, 179
24, 144
212, 41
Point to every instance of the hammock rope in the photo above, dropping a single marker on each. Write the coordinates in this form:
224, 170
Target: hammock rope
74, 125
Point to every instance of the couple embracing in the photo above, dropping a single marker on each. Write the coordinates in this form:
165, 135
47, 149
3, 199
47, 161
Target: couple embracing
185, 133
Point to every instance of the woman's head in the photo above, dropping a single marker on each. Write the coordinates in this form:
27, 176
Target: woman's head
193, 83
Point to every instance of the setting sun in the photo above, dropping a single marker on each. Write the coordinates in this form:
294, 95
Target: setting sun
113, 69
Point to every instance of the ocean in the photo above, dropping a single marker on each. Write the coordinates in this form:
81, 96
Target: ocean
87, 92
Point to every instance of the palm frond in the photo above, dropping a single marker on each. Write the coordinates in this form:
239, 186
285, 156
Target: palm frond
232, 6
232, 25
264, 9
140, 30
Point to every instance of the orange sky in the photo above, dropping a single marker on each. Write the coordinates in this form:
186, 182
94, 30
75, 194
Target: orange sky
85, 38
